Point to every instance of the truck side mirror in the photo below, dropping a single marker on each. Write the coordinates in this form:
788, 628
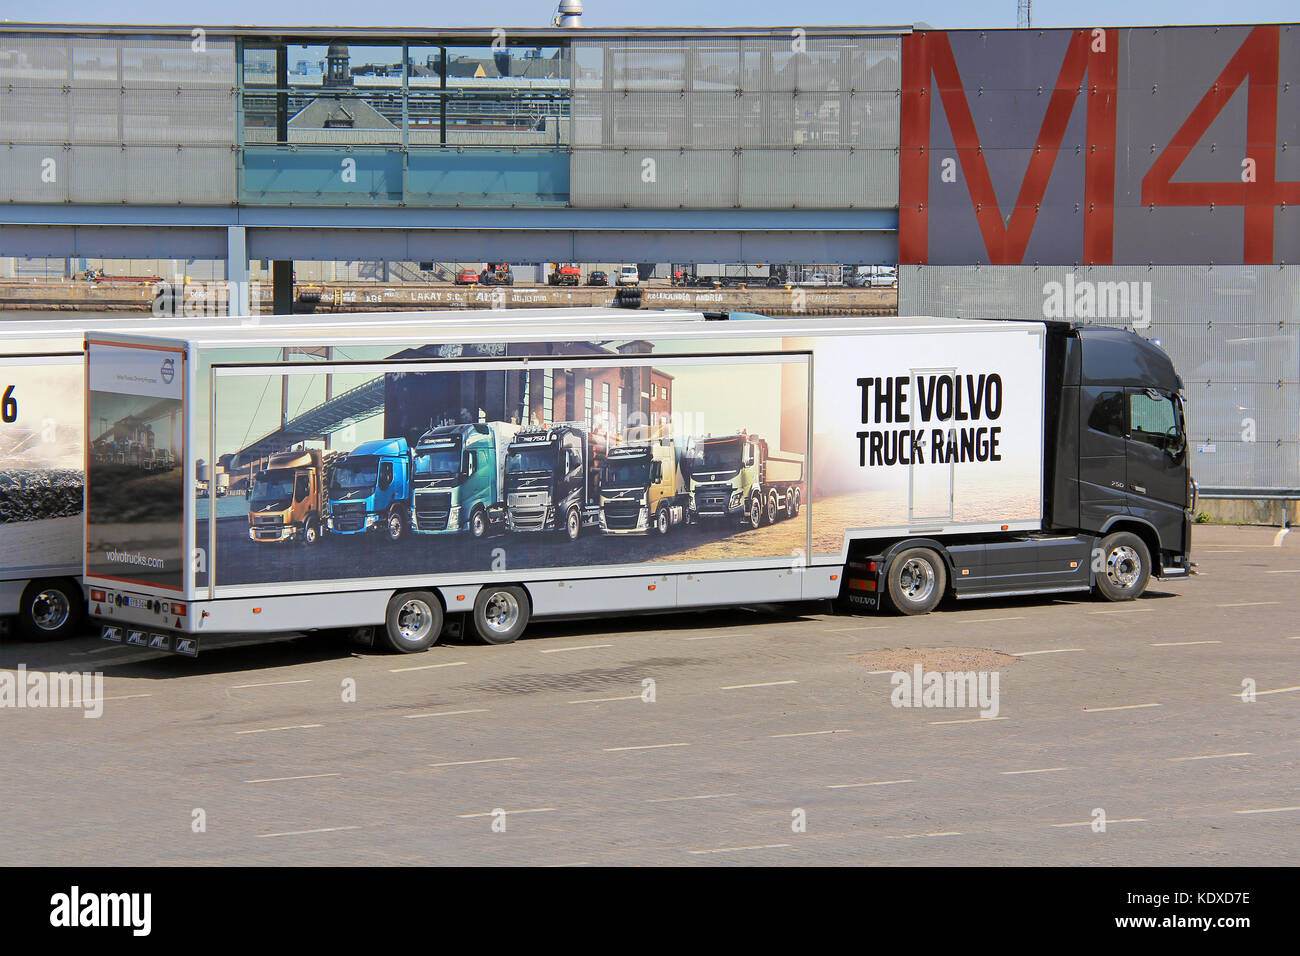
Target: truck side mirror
467, 464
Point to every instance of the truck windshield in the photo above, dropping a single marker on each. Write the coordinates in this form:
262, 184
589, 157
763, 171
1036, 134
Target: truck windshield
632, 473
272, 488
438, 463
718, 455
358, 473
521, 460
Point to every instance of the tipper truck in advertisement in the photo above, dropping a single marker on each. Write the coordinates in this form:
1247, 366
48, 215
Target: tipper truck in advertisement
735, 476
550, 480
460, 478
896, 461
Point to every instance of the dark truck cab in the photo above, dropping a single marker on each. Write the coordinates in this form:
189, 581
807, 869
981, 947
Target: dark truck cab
1118, 496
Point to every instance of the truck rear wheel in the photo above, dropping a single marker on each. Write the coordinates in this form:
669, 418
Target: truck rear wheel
773, 506
1126, 567
792, 503
50, 610
413, 621
501, 613
917, 581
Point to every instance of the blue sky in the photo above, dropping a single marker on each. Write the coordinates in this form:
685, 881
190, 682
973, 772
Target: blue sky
532, 13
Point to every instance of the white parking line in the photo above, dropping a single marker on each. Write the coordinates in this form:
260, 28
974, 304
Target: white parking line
305, 776
917, 836
738, 849
492, 813
1183, 643
702, 796
969, 720
126, 697
610, 750
466, 763
1012, 773
1088, 823
272, 683
1124, 610
580, 647
864, 627
447, 713
988, 620
605, 700
267, 730
423, 667
871, 783
1250, 604
1265, 693
1285, 571
1243, 753
810, 733
770, 683
1059, 650
303, 832
1269, 810
886, 671
1098, 710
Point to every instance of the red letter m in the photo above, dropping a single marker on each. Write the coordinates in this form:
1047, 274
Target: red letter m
1006, 236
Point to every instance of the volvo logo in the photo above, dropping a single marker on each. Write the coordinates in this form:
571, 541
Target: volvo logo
168, 370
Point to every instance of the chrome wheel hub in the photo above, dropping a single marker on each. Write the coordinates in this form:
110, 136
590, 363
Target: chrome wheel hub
1123, 567
501, 612
916, 580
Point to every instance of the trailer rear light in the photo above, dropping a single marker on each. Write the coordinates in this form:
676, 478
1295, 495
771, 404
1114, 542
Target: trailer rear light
871, 565
178, 609
97, 594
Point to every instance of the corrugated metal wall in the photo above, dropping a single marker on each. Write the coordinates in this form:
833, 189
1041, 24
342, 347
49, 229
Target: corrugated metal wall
768, 122
1233, 333
110, 120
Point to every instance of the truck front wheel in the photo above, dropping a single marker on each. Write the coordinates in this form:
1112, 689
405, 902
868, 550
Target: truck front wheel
478, 523
50, 610
1126, 567
310, 532
662, 520
500, 614
917, 581
413, 621
572, 524
395, 523
753, 516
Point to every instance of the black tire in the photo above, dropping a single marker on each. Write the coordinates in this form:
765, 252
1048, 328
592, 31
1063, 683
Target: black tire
792, 502
572, 526
310, 532
51, 610
917, 581
773, 511
1125, 567
501, 612
753, 516
478, 523
412, 622
395, 523
663, 520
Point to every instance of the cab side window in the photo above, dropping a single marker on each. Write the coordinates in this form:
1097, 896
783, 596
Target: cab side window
1153, 420
1109, 414
385, 474
301, 487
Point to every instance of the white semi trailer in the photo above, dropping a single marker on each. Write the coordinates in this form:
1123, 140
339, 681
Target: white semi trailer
43, 437
940, 457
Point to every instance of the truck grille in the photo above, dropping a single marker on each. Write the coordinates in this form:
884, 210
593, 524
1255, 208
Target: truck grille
622, 515
712, 499
431, 511
529, 519
349, 517
268, 521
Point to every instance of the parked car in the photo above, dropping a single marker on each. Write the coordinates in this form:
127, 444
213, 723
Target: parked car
466, 277
597, 278
629, 276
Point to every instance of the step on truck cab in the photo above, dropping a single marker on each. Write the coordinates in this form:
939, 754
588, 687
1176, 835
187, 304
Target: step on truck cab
737, 476
642, 488
370, 489
460, 478
550, 478
286, 500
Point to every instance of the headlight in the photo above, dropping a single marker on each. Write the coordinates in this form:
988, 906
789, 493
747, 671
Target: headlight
329, 522
370, 521
735, 499
251, 535
453, 516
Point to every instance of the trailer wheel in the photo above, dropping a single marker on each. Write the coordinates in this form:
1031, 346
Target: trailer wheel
773, 506
572, 523
395, 523
662, 520
413, 621
1127, 567
501, 613
792, 503
478, 523
753, 516
917, 581
50, 610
